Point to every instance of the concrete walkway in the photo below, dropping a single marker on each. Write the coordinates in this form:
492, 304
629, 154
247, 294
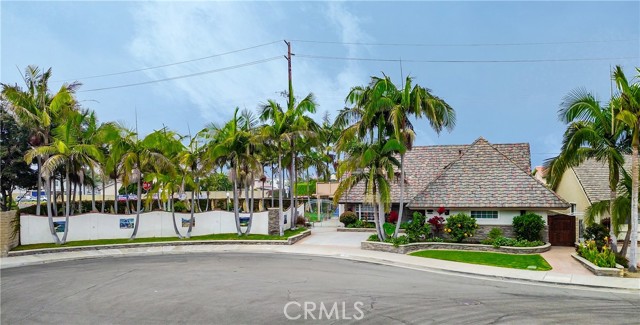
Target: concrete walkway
326, 241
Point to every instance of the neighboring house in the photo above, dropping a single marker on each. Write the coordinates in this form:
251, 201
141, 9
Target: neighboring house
583, 185
490, 182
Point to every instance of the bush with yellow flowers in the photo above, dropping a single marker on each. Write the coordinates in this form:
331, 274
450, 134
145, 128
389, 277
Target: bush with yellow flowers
460, 227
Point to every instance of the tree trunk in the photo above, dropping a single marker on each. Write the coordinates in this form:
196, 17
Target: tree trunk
67, 209
376, 221
612, 224
103, 195
40, 187
115, 198
208, 201
80, 199
93, 191
633, 249
173, 217
193, 203
381, 219
138, 204
55, 196
246, 195
52, 229
63, 194
280, 192
73, 195
292, 177
236, 202
272, 185
400, 210
250, 212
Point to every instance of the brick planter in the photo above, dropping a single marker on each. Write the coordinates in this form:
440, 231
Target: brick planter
408, 248
601, 271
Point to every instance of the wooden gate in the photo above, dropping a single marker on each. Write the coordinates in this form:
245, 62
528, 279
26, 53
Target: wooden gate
562, 230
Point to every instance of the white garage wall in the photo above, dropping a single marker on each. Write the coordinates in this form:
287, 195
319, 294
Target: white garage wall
91, 226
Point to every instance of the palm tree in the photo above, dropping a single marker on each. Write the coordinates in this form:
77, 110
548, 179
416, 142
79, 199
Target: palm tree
37, 109
620, 209
373, 164
628, 102
66, 150
231, 144
592, 133
194, 159
141, 156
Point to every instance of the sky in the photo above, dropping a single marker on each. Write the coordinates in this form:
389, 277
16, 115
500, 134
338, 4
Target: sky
503, 66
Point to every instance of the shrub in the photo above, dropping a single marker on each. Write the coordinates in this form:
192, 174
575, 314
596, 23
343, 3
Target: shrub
389, 228
460, 226
416, 230
528, 226
511, 242
598, 233
437, 224
348, 218
300, 221
180, 206
495, 233
401, 240
373, 237
393, 217
404, 225
435, 239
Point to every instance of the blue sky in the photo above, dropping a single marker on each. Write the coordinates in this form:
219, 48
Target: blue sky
503, 102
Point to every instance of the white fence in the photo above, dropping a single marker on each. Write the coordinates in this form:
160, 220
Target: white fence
91, 226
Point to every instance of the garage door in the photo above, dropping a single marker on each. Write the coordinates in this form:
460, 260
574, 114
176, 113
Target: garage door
562, 230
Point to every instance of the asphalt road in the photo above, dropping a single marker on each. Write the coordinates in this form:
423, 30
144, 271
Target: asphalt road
230, 288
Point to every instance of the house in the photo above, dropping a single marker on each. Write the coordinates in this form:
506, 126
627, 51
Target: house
584, 185
490, 182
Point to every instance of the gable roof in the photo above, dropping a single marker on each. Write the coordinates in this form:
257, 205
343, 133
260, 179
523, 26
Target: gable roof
423, 164
484, 177
593, 175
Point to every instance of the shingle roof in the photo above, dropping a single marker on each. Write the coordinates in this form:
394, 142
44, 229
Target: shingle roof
422, 164
593, 175
484, 177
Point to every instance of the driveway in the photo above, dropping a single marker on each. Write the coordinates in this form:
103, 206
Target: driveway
325, 234
559, 257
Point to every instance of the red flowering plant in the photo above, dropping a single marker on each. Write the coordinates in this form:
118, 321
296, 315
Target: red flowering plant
393, 217
437, 222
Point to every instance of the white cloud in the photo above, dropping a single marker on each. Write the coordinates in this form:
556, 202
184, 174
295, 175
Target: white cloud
168, 32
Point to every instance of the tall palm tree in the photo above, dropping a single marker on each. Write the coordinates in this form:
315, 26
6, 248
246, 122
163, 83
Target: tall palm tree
231, 145
66, 150
592, 133
36, 108
628, 102
141, 156
194, 159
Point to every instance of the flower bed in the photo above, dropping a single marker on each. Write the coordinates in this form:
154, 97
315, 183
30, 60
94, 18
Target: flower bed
408, 248
602, 271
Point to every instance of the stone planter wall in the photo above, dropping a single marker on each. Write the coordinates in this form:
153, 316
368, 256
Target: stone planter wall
404, 249
371, 230
8, 240
601, 271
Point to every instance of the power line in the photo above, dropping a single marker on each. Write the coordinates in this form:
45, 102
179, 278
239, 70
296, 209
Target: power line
461, 44
187, 75
459, 61
169, 64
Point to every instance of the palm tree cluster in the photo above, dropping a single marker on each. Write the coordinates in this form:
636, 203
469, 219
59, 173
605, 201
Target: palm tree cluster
377, 133
68, 143
607, 133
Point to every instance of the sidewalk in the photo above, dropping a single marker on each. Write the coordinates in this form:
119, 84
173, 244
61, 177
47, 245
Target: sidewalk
319, 244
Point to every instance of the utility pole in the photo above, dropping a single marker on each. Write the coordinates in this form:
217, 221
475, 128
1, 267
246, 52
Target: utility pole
288, 57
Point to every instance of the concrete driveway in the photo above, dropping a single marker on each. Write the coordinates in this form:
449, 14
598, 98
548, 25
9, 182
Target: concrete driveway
326, 234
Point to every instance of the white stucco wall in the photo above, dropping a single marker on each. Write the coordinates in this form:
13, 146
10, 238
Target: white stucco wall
91, 226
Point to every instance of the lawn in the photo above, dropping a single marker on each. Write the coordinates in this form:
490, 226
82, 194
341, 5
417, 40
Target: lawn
232, 236
486, 258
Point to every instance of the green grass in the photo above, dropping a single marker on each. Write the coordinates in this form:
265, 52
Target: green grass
486, 258
233, 236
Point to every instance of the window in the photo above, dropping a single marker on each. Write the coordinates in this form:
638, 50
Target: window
484, 214
365, 212
573, 209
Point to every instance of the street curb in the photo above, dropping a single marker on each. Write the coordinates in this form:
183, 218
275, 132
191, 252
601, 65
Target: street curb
290, 241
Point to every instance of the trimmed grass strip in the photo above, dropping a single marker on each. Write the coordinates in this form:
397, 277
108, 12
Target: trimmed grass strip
514, 261
98, 242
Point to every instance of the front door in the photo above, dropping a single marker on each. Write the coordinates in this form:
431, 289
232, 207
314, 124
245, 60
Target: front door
562, 230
